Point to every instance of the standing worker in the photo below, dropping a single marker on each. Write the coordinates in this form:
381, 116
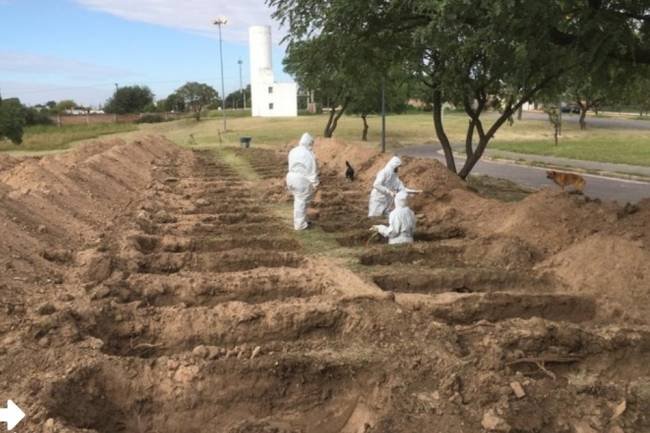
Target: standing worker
302, 179
401, 222
387, 185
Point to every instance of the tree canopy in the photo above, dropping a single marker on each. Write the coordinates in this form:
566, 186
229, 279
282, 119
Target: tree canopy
479, 55
236, 98
12, 120
129, 99
197, 96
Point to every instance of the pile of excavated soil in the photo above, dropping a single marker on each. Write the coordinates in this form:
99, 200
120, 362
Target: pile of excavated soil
150, 288
56, 204
552, 220
615, 271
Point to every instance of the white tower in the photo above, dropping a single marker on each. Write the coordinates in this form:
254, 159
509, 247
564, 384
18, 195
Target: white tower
269, 99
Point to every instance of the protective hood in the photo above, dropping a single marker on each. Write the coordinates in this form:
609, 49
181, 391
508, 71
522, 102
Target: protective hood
393, 163
401, 199
307, 140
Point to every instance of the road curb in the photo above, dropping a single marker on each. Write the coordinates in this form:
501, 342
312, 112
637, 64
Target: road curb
572, 169
559, 167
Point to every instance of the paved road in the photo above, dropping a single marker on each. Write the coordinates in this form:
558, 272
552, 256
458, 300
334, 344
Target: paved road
601, 187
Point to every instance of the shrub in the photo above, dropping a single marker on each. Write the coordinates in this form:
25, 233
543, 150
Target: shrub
151, 118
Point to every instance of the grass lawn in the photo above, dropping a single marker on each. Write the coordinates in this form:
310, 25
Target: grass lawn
623, 146
53, 138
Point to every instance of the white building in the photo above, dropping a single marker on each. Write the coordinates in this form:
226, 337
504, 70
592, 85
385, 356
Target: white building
269, 99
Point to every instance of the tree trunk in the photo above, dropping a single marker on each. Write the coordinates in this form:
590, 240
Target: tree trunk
520, 113
583, 121
485, 138
440, 131
330, 121
364, 135
335, 122
556, 133
469, 150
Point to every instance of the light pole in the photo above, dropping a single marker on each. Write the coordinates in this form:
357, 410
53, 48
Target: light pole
383, 115
241, 83
219, 22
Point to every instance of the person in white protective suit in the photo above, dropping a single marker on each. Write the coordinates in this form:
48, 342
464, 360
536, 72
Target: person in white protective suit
302, 179
401, 222
387, 185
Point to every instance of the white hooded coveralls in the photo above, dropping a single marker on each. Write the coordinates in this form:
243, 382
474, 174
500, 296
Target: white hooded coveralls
302, 179
401, 222
387, 181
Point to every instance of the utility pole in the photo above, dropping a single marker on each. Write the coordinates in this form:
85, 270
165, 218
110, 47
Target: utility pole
560, 116
117, 87
219, 22
383, 116
241, 84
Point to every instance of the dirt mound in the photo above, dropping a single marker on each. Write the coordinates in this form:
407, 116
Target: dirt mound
332, 154
616, 271
551, 220
429, 176
7, 161
67, 200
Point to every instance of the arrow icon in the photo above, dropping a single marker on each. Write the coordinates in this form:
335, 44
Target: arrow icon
12, 415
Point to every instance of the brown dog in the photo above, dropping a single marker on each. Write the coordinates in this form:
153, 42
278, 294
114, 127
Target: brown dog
567, 179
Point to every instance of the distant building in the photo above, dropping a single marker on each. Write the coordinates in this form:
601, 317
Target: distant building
269, 98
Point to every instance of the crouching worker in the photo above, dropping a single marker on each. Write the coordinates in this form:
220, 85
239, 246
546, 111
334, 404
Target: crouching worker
401, 222
302, 179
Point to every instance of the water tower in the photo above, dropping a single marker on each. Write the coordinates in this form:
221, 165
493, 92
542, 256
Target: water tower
269, 99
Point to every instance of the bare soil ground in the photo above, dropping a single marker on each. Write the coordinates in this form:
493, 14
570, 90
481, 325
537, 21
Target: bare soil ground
146, 288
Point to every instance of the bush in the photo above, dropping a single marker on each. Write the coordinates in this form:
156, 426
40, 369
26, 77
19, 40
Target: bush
12, 120
151, 118
36, 117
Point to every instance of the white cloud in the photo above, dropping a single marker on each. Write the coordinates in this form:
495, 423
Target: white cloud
192, 15
37, 64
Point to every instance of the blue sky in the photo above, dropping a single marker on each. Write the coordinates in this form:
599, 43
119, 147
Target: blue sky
79, 49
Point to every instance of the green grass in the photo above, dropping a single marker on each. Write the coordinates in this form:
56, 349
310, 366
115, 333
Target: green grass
631, 146
601, 145
238, 163
51, 138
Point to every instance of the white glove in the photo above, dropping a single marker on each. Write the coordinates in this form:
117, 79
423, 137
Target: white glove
374, 228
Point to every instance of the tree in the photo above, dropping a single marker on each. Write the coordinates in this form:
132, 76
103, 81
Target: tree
236, 98
330, 54
494, 56
553, 112
12, 120
34, 116
50, 104
175, 103
609, 29
66, 104
591, 88
323, 73
637, 91
366, 98
197, 96
129, 99
483, 56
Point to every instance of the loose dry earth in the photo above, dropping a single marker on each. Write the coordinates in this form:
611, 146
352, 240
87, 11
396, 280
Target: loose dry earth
147, 288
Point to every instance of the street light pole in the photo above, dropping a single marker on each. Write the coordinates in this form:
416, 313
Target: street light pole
383, 115
241, 84
219, 22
